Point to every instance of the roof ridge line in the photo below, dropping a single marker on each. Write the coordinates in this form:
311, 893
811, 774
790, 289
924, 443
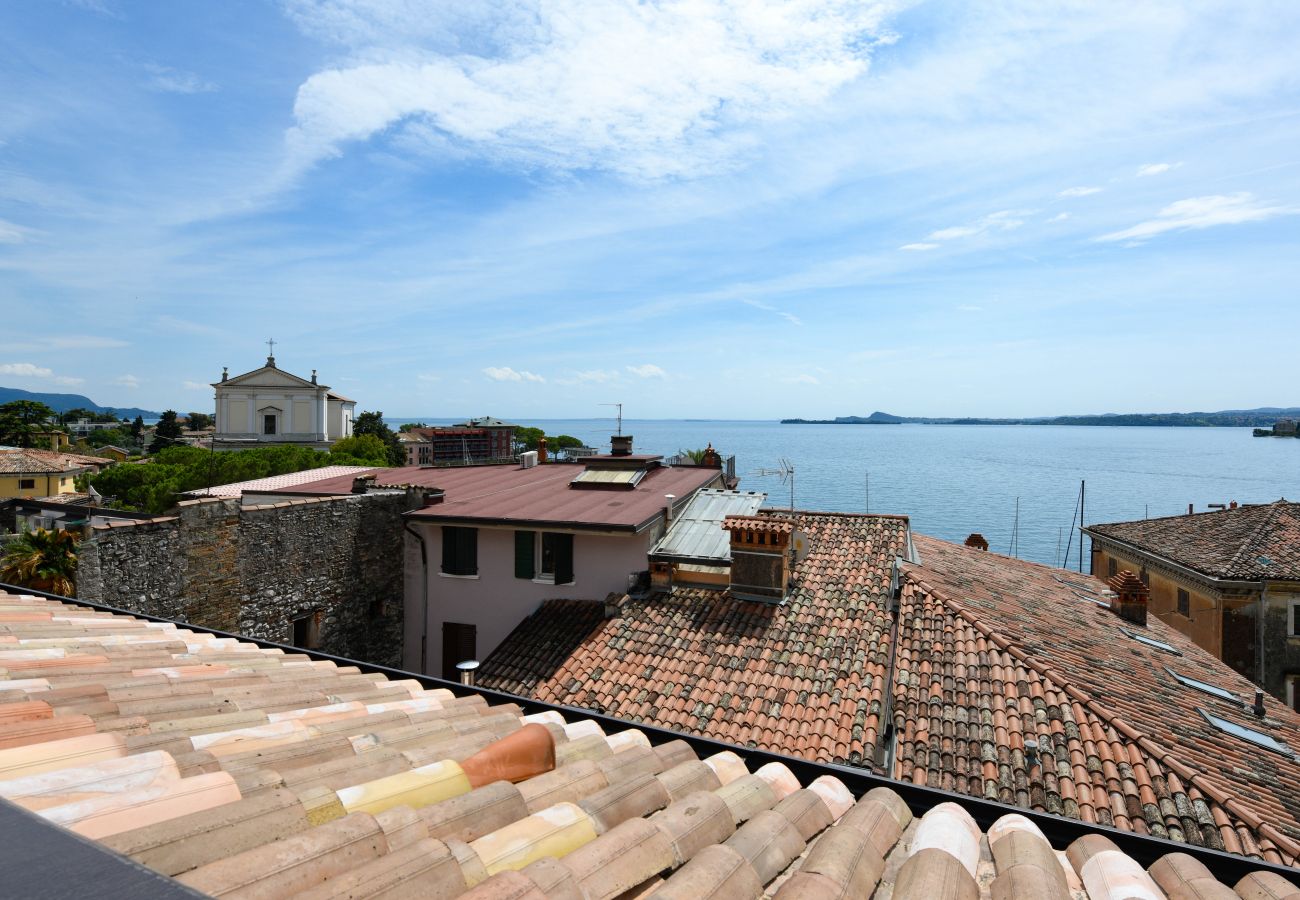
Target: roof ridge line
1107, 716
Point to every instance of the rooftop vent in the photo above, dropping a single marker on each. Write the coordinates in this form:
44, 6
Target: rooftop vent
620, 445
1131, 597
977, 541
760, 557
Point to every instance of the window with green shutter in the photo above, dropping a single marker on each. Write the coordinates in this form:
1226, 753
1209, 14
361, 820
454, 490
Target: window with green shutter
557, 557
459, 550
524, 543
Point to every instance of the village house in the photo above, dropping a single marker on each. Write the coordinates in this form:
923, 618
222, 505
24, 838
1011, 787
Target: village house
271, 406
26, 472
1228, 579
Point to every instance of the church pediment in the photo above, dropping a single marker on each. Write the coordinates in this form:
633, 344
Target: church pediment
268, 377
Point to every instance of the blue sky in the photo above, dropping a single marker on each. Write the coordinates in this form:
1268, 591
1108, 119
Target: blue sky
698, 209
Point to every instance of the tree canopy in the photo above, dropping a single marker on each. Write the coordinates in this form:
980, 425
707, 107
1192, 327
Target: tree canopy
21, 419
167, 433
198, 421
373, 423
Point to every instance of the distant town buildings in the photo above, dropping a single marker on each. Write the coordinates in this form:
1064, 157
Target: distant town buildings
26, 472
480, 440
271, 406
1228, 579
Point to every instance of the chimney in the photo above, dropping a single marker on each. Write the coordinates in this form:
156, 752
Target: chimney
1190, 508
661, 576
362, 483
1258, 708
1131, 597
711, 458
977, 542
541, 449
620, 445
1232, 505
668, 509
225, 372
466, 670
760, 557
313, 376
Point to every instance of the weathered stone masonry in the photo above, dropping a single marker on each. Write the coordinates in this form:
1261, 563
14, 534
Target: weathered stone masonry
255, 570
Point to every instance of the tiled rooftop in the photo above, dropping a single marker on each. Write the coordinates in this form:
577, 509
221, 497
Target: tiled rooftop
244, 771
994, 650
804, 677
990, 651
15, 461
1246, 543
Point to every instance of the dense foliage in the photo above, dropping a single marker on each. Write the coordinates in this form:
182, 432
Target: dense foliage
527, 438
372, 423
42, 560
153, 486
20, 419
167, 433
197, 421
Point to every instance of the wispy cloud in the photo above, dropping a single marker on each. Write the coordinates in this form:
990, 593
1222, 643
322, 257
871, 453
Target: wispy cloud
1003, 220
175, 81
25, 370
1059, 217
643, 90
918, 246
428, 376
127, 381
776, 311
195, 385
11, 233
505, 373
68, 380
1200, 212
649, 370
1155, 169
1079, 191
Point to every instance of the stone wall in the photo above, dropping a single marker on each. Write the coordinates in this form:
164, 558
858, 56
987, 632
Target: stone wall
256, 570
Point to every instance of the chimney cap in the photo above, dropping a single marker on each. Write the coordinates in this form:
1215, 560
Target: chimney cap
977, 541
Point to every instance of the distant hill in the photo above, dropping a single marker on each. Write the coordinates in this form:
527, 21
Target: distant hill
1229, 418
64, 402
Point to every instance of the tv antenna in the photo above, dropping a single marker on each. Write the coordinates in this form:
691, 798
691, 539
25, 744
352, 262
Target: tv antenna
786, 473
620, 414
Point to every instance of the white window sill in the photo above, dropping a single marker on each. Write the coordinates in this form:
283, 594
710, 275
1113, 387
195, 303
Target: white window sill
461, 577
550, 579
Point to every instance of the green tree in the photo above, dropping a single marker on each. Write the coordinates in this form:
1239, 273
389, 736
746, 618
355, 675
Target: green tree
526, 438
105, 436
373, 423
359, 450
410, 426
43, 561
563, 442
137, 429
20, 419
199, 421
167, 433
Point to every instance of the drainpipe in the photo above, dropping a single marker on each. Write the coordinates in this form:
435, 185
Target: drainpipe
424, 597
885, 760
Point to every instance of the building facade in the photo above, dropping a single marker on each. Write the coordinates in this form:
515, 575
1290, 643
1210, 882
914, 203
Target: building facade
271, 406
480, 440
1229, 580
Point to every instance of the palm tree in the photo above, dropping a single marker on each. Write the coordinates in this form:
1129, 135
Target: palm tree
42, 560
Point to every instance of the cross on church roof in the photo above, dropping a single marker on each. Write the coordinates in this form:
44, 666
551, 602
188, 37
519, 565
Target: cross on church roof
270, 352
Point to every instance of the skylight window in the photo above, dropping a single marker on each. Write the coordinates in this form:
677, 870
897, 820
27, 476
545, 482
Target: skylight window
1152, 642
1258, 738
1204, 687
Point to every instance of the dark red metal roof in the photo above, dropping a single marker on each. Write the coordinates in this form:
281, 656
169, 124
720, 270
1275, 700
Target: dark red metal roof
540, 494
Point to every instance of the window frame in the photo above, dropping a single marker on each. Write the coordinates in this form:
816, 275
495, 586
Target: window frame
459, 552
26, 484
1183, 602
310, 626
1292, 682
270, 424
1293, 619
1112, 567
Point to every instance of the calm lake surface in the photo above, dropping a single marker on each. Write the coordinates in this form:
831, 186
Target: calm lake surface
954, 479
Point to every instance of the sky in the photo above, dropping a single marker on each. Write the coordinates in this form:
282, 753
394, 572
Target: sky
697, 208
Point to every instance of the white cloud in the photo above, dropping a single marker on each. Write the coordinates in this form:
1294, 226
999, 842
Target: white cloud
67, 380
647, 90
918, 246
1155, 169
505, 373
127, 381
802, 378
1003, 220
25, 370
1059, 217
175, 81
196, 386
1200, 212
649, 370
1079, 191
767, 307
11, 233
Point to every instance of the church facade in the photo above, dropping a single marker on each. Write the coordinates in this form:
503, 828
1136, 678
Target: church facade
271, 406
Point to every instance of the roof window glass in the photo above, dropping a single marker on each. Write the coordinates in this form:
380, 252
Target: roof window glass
1202, 686
1258, 738
1152, 642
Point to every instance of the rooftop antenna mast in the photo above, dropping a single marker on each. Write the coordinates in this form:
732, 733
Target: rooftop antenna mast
786, 472
620, 415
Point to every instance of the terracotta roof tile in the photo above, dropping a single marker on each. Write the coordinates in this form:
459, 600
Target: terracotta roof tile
1246, 543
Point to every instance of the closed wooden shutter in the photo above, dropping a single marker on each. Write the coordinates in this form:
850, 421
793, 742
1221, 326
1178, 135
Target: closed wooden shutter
563, 558
524, 564
459, 551
459, 644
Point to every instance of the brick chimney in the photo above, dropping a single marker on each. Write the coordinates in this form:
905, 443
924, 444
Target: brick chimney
711, 458
541, 449
1131, 597
760, 557
977, 542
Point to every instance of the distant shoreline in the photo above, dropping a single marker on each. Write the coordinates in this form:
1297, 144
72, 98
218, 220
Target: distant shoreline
1231, 418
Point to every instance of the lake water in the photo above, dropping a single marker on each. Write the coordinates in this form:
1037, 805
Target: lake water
954, 479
